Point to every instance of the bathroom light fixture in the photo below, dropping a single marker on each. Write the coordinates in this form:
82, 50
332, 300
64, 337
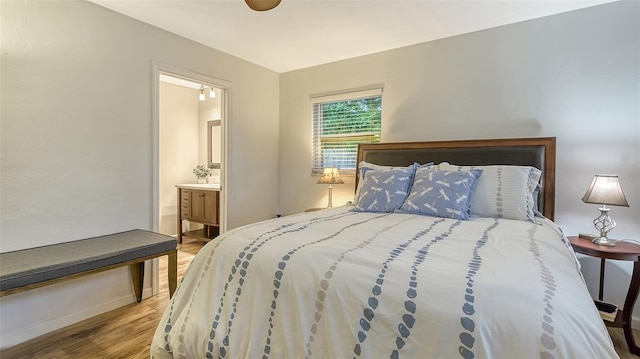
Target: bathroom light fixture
212, 93
605, 190
262, 5
201, 96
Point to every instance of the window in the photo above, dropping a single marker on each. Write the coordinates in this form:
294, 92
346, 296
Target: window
340, 123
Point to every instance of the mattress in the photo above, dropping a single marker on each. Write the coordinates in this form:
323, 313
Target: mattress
342, 284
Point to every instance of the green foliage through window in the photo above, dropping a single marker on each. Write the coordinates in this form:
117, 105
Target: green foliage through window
338, 128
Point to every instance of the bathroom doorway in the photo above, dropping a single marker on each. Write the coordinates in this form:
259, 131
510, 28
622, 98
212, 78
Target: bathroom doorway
191, 130
190, 123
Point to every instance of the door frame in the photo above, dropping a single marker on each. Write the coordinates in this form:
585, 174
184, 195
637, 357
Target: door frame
224, 86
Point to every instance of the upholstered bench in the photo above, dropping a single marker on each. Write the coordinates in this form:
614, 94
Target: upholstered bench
36, 267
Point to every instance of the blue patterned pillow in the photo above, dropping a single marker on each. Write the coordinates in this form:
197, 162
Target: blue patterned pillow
366, 166
384, 191
441, 193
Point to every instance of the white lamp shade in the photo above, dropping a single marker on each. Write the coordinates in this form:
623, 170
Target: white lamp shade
605, 189
330, 176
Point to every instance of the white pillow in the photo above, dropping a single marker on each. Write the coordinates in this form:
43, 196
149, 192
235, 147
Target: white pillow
503, 191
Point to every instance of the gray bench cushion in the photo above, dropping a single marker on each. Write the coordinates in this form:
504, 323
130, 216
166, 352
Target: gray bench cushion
40, 264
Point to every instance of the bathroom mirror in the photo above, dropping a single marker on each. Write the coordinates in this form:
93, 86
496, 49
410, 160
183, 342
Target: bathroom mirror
214, 141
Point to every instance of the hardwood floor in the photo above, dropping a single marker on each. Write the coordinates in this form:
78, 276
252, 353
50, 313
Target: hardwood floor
127, 332
122, 333
620, 344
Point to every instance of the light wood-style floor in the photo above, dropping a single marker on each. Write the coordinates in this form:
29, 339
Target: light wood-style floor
127, 332
122, 333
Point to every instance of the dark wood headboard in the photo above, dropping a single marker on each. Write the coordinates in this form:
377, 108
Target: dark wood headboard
539, 152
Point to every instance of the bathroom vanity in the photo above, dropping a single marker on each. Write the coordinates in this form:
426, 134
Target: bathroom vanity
199, 203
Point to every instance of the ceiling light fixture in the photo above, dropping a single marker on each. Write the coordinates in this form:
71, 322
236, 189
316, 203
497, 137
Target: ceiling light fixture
212, 93
201, 96
262, 5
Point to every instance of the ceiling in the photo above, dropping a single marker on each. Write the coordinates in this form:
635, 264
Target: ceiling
303, 33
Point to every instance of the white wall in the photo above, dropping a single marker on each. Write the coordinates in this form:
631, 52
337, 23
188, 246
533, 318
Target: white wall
179, 148
574, 76
76, 142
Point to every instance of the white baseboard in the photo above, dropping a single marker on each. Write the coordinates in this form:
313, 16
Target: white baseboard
38, 329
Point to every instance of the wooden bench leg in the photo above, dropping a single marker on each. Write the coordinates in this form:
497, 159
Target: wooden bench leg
137, 275
172, 273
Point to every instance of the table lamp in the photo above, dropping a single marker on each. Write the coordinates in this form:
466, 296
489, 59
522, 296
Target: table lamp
605, 190
330, 176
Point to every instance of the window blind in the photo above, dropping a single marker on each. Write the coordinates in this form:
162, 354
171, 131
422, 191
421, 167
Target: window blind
340, 123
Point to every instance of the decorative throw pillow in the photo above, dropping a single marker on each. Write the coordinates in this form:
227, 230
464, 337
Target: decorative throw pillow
503, 191
364, 166
441, 193
384, 190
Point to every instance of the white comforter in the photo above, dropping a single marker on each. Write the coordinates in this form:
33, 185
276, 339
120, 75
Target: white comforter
340, 284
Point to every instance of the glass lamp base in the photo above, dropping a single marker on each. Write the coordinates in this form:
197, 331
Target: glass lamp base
604, 241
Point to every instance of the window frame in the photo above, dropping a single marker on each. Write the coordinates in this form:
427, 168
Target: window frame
362, 93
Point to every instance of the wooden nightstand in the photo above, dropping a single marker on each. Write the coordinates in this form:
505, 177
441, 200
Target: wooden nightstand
623, 251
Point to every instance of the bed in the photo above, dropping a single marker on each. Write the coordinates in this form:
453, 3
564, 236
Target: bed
413, 269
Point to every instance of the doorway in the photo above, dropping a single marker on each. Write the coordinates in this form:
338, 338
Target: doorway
186, 105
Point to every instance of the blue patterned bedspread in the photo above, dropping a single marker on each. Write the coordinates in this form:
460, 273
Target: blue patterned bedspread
342, 284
